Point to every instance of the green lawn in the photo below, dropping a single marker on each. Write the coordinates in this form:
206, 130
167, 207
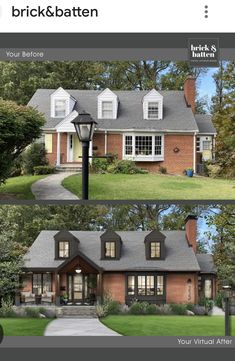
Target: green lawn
23, 326
167, 325
152, 186
19, 187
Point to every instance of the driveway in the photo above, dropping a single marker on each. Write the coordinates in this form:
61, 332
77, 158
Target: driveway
78, 327
51, 188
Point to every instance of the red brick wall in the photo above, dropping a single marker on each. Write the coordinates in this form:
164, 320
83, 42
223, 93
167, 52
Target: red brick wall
63, 149
114, 283
178, 290
99, 142
175, 163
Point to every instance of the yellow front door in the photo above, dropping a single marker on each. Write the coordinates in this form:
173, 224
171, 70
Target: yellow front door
77, 149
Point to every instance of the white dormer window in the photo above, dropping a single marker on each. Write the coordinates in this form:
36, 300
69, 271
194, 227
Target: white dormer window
107, 105
60, 107
153, 105
153, 110
62, 103
107, 110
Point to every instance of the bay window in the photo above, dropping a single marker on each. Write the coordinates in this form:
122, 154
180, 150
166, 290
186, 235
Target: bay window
143, 147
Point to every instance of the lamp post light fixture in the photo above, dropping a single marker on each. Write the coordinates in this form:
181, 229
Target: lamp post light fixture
227, 296
84, 126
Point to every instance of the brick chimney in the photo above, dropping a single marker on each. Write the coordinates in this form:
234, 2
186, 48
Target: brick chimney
191, 231
190, 92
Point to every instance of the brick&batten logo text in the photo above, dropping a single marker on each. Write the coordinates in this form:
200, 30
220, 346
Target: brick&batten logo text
203, 52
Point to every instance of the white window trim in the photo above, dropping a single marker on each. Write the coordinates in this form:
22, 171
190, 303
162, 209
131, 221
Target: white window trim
66, 106
207, 138
101, 104
142, 158
159, 109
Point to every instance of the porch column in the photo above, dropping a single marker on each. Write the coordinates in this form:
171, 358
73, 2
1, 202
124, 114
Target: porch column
100, 288
58, 150
90, 151
106, 142
194, 152
57, 289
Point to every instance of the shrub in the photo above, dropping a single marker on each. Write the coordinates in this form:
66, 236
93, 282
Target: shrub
113, 308
199, 310
164, 310
219, 300
125, 167
190, 306
34, 156
101, 310
100, 165
214, 170
32, 312
162, 170
43, 169
6, 309
136, 308
151, 309
178, 309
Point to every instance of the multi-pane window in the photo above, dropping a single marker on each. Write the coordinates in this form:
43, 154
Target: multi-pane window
208, 288
160, 285
153, 110
128, 145
107, 110
155, 250
131, 285
41, 283
110, 250
158, 145
60, 108
198, 144
206, 145
143, 145
63, 249
146, 285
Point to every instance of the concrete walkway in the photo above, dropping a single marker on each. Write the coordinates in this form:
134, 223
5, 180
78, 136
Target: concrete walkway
216, 311
78, 327
51, 187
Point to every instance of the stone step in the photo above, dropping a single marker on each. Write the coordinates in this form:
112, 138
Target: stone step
69, 169
77, 312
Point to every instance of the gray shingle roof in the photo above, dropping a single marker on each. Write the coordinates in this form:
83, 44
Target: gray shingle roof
206, 263
176, 115
179, 256
205, 124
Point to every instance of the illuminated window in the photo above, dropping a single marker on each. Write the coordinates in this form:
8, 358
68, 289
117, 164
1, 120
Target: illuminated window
63, 249
155, 250
110, 250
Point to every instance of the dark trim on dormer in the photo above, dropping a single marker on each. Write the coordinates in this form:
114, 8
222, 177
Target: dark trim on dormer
111, 236
65, 236
155, 236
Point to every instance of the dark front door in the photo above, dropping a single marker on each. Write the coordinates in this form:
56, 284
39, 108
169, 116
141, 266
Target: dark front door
77, 287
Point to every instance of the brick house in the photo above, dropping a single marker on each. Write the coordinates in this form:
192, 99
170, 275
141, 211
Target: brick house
149, 127
157, 267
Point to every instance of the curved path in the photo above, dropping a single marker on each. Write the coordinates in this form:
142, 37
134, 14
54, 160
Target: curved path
78, 327
51, 188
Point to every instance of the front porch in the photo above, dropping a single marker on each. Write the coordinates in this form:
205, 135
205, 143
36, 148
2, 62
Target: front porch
76, 282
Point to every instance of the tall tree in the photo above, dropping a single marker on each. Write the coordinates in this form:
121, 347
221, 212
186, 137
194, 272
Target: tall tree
19, 126
224, 117
223, 220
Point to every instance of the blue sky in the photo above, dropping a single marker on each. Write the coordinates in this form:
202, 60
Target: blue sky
206, 84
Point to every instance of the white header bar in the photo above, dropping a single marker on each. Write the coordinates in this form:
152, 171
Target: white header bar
107, 16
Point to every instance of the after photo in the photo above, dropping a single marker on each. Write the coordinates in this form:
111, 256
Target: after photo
128, 270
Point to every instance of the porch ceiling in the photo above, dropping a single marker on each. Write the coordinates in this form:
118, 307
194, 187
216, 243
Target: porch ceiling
79, 261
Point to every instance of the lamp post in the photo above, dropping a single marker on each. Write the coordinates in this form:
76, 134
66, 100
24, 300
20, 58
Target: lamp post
84, 126
227, 295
